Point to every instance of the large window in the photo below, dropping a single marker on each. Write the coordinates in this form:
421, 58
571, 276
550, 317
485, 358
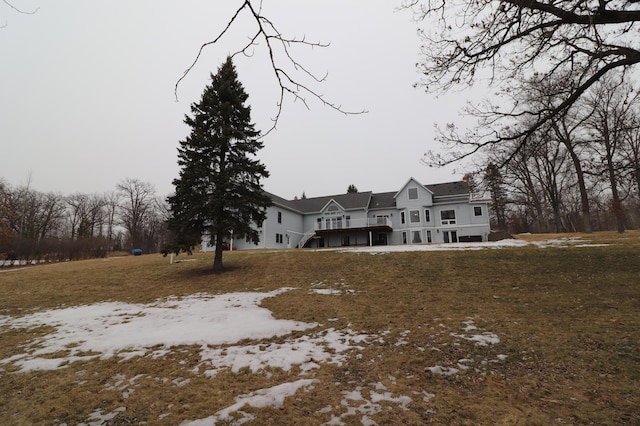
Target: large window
413, 193
382, 219
332, 209
450, 236
414, 216
448, 217
427, 215
279, 239
417, 239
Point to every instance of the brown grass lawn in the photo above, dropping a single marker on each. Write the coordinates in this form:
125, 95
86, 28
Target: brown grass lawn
567, 318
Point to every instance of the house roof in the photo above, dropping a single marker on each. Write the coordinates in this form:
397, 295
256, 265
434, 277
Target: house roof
279, 201
449, 189
411, 179
383, 200
353, 201
367, 199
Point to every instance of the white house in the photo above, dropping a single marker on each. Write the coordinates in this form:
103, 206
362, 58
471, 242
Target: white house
415, 214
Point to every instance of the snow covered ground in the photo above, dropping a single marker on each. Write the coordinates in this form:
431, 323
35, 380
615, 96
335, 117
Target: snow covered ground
559, 242
217, 323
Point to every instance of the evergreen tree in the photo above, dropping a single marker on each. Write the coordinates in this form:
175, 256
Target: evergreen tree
352, 189
219, 190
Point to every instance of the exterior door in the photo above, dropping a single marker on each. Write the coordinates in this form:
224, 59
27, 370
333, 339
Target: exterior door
450, 236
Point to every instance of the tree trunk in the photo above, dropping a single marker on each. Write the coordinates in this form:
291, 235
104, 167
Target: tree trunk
616, 203
217, 260
584, 196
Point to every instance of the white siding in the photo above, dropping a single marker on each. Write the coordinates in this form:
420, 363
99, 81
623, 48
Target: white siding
413, 197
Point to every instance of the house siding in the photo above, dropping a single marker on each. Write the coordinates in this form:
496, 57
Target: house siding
368, 218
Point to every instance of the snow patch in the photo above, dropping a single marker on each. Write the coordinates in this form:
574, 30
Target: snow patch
270, 397
130, 330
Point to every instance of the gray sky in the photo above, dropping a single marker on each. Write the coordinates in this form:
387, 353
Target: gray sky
86, 94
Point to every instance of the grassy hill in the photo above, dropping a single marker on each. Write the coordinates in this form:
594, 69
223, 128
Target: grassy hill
539, 334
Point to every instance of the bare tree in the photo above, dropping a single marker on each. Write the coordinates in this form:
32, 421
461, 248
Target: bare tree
494, 182
27, 219
290, 74
76, 213
51, 214
137, 204
564, 129
111, 206
11, 6
578, 42
612, 106
525, 192
631, 153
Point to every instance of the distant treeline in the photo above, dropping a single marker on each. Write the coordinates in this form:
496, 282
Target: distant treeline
38, 226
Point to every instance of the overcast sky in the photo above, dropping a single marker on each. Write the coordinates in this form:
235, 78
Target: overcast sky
87, 94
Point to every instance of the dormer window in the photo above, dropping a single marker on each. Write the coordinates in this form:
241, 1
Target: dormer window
332, 210
412, 193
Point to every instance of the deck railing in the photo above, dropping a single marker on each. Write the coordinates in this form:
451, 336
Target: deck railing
331, 223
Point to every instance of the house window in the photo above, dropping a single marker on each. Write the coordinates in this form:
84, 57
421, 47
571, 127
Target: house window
279, 217
477, 211
413, 193
403, 219
417, 239
428, 236
332, 209
427, 216
279, 239
414, 216
382, 220
448, 217
404, 237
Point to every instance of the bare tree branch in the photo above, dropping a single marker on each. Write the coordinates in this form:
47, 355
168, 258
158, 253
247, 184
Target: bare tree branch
573, 41
19, 10
277, 45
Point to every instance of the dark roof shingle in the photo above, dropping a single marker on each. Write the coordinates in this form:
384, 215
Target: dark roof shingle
356, 200
365, 200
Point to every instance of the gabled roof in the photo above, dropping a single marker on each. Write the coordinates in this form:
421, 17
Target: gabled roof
367, 199
383, 200
449, 189
353, 201
279, 201
411, 179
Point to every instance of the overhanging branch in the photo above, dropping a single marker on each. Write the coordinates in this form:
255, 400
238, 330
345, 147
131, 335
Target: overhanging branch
274, 40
